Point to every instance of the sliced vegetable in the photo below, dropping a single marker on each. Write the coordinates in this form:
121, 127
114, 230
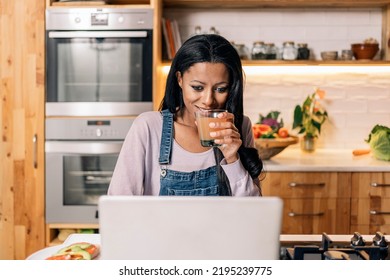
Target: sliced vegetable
77, 251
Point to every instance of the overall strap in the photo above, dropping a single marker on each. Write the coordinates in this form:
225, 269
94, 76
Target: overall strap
223, 182
166, 137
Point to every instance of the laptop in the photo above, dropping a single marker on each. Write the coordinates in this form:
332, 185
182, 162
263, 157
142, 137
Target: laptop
189, 228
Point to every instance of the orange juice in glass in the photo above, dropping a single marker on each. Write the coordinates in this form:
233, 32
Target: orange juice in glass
203, 119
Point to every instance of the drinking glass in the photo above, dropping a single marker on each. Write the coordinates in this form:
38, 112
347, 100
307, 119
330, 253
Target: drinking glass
203, 119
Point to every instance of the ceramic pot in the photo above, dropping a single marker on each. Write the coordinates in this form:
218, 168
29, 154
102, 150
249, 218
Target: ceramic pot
308, 144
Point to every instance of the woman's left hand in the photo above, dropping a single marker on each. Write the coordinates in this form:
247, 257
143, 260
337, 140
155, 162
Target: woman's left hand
228, 137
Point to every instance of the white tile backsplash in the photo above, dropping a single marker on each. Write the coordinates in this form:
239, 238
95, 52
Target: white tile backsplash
353, 111
355, 101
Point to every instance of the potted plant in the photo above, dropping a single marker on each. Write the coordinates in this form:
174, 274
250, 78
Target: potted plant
308, 118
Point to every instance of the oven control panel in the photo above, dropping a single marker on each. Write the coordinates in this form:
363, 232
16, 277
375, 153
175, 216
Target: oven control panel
87, 129
99, 19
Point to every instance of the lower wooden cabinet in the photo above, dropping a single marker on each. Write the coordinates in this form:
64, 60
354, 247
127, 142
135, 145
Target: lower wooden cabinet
314, 202
370, 211
315, 216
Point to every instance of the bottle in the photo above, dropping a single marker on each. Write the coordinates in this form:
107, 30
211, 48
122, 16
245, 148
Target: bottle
258, 50
303, 52
289, 52
271, 51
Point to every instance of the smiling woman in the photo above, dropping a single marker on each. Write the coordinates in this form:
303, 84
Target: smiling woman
206, 73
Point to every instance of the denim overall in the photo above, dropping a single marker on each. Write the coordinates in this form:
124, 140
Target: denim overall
203, 182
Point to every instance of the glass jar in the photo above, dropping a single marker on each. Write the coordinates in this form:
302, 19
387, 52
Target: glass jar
289, 51
198, 30
242, 50
271, 51
303, 52
258, 50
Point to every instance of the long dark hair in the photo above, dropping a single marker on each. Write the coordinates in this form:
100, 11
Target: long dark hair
214, 49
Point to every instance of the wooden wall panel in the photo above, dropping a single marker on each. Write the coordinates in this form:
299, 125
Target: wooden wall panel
22, 224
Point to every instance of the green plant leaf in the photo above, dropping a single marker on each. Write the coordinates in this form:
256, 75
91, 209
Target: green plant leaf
298, 116
317, 125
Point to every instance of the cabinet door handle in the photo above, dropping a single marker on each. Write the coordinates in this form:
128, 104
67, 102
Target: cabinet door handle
295, 184
377, 185
293, 214
374, 212
35, 148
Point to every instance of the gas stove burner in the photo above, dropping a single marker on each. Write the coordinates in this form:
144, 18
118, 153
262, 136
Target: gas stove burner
358, 249
357, 240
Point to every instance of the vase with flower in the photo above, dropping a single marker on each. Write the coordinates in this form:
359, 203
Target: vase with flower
308, 118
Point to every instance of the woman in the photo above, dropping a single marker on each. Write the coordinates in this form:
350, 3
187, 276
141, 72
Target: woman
162, 154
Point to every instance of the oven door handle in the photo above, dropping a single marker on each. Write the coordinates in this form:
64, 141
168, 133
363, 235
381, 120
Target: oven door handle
98, 34
83, 147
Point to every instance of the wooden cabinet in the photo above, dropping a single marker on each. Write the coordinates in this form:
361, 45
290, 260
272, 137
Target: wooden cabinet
22, 68
314, 202
370, 211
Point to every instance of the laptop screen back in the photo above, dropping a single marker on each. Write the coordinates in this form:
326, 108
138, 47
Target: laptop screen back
182, 228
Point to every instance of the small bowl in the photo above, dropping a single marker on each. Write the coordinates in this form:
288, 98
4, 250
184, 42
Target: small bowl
329, 55
346, 55
268, 148
364, 51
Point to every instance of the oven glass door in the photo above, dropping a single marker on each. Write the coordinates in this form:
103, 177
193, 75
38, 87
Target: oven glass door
77, 174
99, 66
86, 178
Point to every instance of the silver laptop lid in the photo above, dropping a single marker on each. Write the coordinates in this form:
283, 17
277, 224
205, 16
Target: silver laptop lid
182, 228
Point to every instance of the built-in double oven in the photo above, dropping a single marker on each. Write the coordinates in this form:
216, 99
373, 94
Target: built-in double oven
98, 79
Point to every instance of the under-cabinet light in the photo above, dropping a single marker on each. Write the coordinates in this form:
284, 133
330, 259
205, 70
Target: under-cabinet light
317, 69
310, 69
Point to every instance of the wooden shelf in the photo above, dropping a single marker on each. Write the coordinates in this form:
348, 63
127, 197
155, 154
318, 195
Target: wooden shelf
52, 231
308, 63
315, 63
273, 3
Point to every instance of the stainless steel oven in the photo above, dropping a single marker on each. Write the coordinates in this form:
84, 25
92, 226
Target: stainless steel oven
80, 155
98, 61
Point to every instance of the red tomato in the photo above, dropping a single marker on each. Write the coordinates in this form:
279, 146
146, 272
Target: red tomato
256, 133
283, 132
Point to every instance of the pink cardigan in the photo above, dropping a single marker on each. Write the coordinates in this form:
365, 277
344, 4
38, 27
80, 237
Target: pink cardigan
137, 171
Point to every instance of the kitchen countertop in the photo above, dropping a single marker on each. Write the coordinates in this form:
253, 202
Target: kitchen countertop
284, 239
328, 160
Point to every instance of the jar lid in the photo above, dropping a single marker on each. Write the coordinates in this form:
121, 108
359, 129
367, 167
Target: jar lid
258, 42
270, 44
302, 45
288, 43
